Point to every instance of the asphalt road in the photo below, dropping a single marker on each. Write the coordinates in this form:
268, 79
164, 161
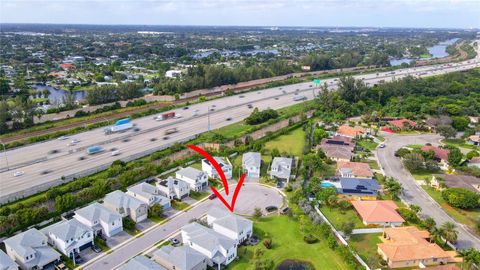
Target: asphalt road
412, 192
37, 159
250, 196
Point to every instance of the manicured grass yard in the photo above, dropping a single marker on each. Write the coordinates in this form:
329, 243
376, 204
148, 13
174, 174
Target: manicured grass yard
337, 217
287, 244
460, 143
365, 244
291, 143
179, 205
367, 144
198, 195
467, 217
421, 175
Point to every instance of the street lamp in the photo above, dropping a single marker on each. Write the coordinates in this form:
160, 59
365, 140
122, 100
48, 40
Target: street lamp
5, 153
208, 117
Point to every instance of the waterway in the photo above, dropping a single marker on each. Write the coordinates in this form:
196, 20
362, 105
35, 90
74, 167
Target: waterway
437, 51
56, 95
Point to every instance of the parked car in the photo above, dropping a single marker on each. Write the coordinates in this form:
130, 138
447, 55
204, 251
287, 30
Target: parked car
61, 266
61, 138
174, 241
211, 197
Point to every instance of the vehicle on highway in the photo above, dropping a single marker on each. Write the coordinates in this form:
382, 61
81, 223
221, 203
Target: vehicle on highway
136, 129
229, 118
211, 197
53, 151
94, 149
165, 138
212, 109
120, 126
75, 141
82, 158
276, 98
165, 116
177, 116
153, 139
115, 153
171, 131
62, 138
186, 108
250, 106
299, 98
241, 96
18, 173
46, 172
126, 140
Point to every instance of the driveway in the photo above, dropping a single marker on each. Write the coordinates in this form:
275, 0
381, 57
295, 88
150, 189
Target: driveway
251, 196
414, 194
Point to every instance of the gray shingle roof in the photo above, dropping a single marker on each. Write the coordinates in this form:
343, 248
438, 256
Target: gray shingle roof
96, 211
284, 166
122, 200
206, 237
141, 263
6, 263
67, 229
230, 221
251, 159
25, 243
149, 191
190, 172
183, 257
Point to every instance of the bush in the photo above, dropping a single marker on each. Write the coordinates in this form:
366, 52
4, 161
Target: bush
461, 198
310, 239
409, 215
268, 243
258, 117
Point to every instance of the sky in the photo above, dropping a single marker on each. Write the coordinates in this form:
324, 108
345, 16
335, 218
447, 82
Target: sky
361, 13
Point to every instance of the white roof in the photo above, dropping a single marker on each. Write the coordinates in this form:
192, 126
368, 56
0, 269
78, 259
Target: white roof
122, 200
183, 257
141, 263
229, 221
6, 263
67, 229
190, 172
206, 237
96, 211
251, 159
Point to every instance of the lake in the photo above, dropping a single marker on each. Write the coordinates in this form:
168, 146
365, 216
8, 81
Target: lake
437, 51
56, 95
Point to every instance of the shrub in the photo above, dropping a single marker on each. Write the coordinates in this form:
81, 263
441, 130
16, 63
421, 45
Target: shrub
461, 198
268, 243
310, 239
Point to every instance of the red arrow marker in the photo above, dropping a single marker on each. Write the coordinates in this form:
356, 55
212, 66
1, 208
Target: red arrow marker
214, 163
219, 170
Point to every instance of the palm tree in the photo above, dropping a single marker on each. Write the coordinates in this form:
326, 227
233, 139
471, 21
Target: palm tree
449, 232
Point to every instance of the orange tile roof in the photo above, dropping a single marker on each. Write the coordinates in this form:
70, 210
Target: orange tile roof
67, 66
399, 123
439, 152
377, 211
359, 169
409, 243
443, 267
350, 131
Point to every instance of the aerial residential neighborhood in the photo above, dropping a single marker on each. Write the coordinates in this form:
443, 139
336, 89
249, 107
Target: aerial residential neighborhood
239, 135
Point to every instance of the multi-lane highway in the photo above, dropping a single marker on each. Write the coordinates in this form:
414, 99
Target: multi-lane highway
44, 164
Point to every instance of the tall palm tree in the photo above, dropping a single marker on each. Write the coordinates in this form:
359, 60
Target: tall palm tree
449, 232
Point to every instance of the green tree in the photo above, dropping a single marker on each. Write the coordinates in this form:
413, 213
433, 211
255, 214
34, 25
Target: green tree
449, 232
454, 156
461, 198
414, 162
446, 131
460, 122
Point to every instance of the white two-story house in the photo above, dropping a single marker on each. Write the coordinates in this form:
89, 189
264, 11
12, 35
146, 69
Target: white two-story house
233, 226
69, 236
198, 180
30, 250
173, 188
148, 194
126, 205
224, 164
251, 162
219, 249
100, 219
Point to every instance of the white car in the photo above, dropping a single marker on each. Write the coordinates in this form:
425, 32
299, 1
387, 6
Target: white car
62, 138
75, 141
18, 173
116, 153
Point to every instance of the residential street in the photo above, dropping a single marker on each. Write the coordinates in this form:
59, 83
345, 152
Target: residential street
414, 194
251, 196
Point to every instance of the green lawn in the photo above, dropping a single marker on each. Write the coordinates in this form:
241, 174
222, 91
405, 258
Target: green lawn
179, 205
460, 143
414, 146
292, 143
337, 217
365, 244
367, 144
467, 217
198, 195
421, 175
287, 244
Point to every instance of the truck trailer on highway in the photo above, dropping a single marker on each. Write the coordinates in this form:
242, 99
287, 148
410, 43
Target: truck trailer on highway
170, 131
120, 126
299, 98
94, 149
165, 116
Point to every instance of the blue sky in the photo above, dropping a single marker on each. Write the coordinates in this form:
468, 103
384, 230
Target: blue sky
382, 13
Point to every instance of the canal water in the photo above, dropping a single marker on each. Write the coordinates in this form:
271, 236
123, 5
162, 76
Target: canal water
56, 95
437, 51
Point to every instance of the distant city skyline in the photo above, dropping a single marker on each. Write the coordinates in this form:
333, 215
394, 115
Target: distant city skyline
329, 13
